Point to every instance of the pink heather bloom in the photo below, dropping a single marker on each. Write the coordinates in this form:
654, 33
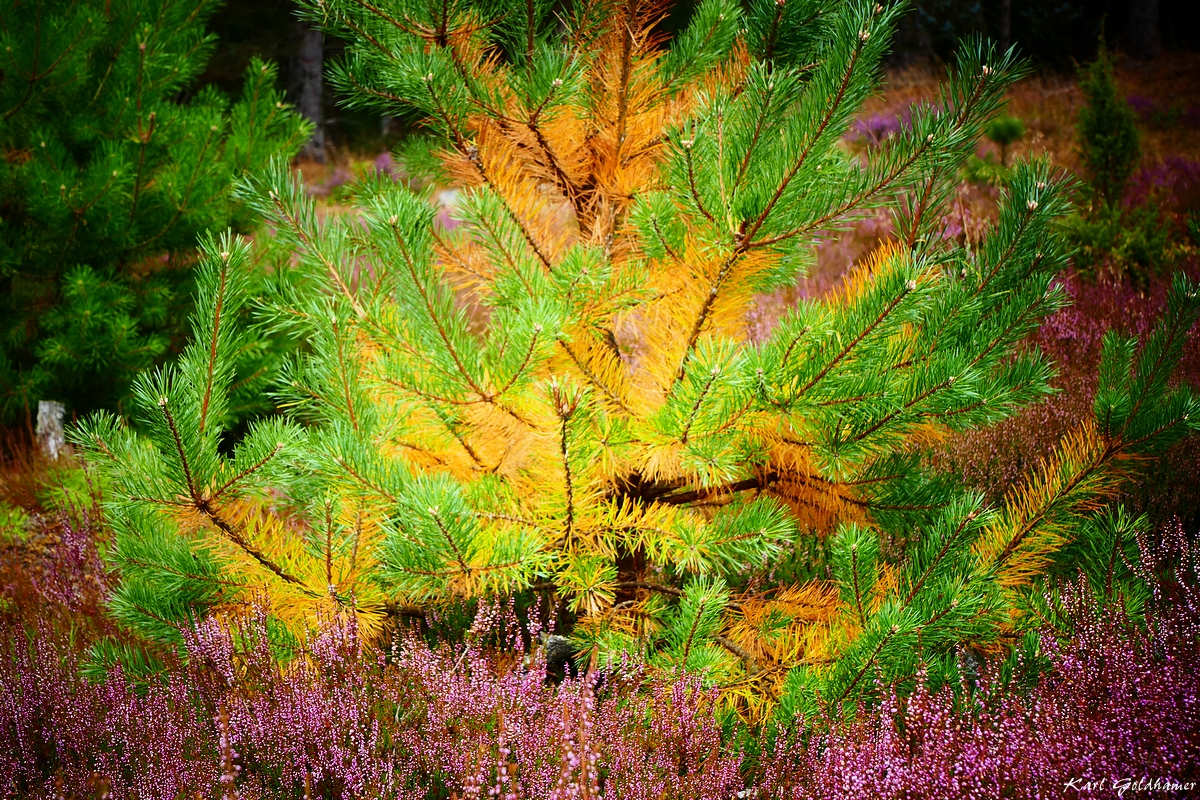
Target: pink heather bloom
341, 719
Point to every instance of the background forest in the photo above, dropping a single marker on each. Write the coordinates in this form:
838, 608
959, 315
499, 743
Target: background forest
729, 399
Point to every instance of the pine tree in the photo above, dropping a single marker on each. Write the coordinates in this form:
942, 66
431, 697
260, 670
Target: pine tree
561, 395
106, 175
1108, 134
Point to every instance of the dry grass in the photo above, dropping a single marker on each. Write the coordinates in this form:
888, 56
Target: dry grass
1049, 103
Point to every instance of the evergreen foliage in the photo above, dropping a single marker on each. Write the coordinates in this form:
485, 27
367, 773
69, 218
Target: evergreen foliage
560, 396
107, 179
1004, 131
1108, 135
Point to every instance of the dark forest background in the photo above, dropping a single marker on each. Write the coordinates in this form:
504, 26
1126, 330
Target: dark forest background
1054, 34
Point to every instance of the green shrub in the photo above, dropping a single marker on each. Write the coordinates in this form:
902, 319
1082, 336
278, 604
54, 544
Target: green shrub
1107, 129
1132, 242
1004, 131
986, 170
107, 178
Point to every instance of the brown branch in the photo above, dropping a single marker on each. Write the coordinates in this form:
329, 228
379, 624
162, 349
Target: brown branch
248, 471
751, 663
687, 428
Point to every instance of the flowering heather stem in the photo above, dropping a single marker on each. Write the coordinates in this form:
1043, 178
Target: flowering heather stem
1117, 701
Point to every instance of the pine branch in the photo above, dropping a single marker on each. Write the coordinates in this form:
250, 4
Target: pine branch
832, 107
209, 378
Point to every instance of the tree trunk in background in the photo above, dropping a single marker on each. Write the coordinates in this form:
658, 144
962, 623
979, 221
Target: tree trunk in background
1143, 39
50, 436
310, 90
1005, 24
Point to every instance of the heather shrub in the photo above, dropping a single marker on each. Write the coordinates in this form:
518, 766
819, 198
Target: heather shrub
342, 720
1098, 694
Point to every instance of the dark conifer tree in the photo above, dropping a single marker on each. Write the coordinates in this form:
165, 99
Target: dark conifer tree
110, 171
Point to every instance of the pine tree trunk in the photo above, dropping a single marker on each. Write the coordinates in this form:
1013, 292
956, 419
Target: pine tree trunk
1143, 39
309, 62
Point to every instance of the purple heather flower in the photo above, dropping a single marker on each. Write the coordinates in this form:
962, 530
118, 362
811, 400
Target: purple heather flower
385, 165
343, 719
